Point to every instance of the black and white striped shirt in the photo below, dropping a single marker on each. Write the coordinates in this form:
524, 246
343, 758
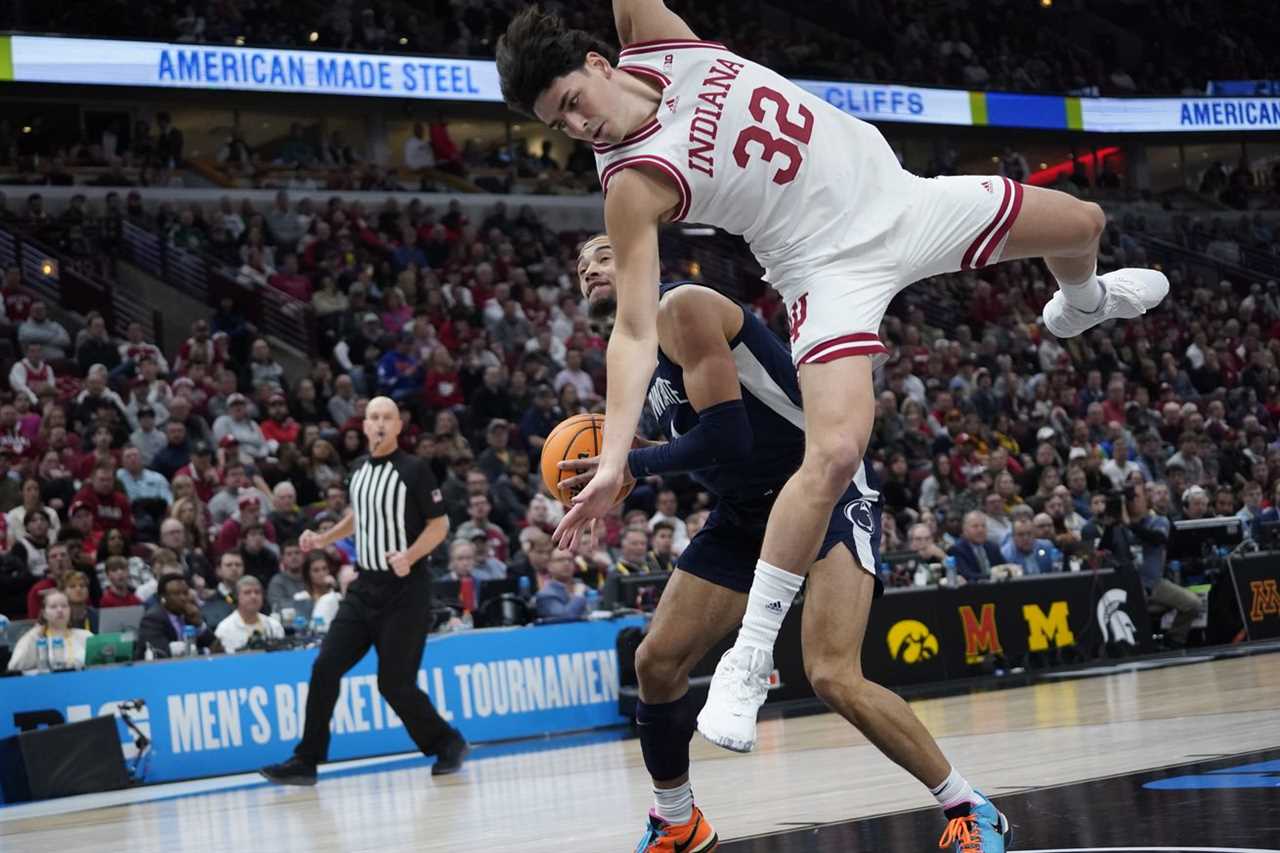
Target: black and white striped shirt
393, 498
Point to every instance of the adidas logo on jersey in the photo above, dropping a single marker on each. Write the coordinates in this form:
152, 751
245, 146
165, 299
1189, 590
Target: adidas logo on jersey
672, 103
986, 185
774, 607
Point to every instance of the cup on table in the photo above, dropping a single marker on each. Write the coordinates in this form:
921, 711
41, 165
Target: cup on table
177, 648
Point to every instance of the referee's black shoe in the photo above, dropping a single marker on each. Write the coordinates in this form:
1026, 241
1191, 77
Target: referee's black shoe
450, 755
295, 771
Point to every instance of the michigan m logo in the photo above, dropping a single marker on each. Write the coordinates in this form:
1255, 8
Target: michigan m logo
980, 634
1048, 630
1266, 600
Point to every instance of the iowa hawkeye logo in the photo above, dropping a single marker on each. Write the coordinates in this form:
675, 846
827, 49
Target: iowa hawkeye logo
911, 642
1266, 600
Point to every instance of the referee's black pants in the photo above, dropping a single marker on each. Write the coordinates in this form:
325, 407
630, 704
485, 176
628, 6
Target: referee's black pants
393, 615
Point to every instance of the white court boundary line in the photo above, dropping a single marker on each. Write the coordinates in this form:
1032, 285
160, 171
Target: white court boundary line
172, 790
1153, 850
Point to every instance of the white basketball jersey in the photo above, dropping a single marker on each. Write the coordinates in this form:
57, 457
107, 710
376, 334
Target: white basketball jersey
756, 155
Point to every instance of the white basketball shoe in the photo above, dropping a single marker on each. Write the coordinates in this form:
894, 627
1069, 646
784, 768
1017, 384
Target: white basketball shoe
1126, 294
738, 689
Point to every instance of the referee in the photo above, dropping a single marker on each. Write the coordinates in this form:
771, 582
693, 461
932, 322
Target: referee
398, 518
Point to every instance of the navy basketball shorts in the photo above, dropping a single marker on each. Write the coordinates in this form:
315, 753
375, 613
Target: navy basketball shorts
725, 550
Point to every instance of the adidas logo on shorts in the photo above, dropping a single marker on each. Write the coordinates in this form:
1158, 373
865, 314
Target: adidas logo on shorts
774, 607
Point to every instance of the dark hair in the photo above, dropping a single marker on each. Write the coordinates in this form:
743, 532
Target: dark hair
536, 49
664, 525
168, 581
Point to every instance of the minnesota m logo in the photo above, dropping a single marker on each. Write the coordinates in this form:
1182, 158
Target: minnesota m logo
980, 634
1045, 630
1266, 600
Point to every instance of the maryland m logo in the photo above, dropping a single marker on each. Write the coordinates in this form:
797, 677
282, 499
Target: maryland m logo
1044, 631
980, 634
1266, 600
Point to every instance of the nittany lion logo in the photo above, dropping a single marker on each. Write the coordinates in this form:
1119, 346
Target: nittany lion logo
912, 642
858, 514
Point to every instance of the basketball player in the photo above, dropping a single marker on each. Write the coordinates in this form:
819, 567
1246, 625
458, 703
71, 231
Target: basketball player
686, 130
726, 396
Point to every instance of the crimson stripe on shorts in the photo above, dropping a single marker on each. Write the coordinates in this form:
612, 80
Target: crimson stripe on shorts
669, 44
966, 262
1003, 231
859, 343
682, 186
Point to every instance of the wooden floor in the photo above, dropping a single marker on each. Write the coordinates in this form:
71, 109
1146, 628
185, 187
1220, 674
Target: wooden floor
814, 769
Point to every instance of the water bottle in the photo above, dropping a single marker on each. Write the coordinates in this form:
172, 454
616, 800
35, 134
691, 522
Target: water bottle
524, 586
593, 599
57, 654
318, 626
950, 563
921, 577
189, 637
42, 655
4, 625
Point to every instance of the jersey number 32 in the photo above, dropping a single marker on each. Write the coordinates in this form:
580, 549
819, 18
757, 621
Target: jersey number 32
770, 145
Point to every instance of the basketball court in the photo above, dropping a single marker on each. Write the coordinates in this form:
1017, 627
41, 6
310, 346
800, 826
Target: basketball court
1184, 757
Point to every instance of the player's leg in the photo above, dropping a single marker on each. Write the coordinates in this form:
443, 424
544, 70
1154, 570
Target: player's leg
347, 641
1064, 231
839, 412
401, 635
836, 607
692, 616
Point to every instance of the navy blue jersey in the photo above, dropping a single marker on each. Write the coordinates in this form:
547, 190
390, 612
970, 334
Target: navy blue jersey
771, 394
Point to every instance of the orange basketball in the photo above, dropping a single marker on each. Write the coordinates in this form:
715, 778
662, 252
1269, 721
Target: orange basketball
578, 437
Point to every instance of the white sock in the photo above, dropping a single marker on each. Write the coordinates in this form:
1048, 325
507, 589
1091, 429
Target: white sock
674, 805
1085, 295
772, 592
954, 791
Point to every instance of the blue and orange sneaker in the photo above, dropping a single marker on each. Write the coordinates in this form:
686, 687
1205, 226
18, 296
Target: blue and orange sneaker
976, 828
694, 836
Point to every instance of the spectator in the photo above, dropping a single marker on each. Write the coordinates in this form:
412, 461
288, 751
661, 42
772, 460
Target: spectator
1033, 556
136, 348
975, 556
574, 375
1118, 468
95, 346
83, 615
496, 458
222, 599
167, 620
32, 547
110, 507
286, 516
539, 419
1195, 503
478, 510
32, 375
286, 584
49, 334
247, 625
399, 371
662, 556
260, 558
251, 444
633, 555
118, 592
141, 484
667, 509
417, 150
1251, 513
279, 428
561, 596
32, 504
486, 567
59, 564
999, 522
149, 440
54, 622
235, 528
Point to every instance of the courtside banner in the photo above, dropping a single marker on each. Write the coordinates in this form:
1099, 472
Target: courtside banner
1172, 115
41, 59
234, 713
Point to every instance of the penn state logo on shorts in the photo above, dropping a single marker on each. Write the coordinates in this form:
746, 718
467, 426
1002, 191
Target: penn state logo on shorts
858, 513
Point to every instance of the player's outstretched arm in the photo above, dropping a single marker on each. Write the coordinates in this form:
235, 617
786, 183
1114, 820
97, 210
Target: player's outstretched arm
648, 20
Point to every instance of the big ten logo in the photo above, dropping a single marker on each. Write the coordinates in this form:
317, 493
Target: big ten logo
140, 717
911, 642
1051, 630
1266, 600
981, 637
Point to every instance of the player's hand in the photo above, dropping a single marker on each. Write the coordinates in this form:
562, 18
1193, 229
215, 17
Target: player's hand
586, 471
309, 541
593, 502
400, 563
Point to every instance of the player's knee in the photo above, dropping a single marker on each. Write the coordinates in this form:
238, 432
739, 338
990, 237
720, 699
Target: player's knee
1087, 223
831, 465
393, 689
659, 670
837, 683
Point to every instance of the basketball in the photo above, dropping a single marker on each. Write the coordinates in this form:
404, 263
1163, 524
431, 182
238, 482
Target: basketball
578, 437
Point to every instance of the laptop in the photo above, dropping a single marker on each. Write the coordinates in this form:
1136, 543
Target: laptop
107, 648
112, 620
